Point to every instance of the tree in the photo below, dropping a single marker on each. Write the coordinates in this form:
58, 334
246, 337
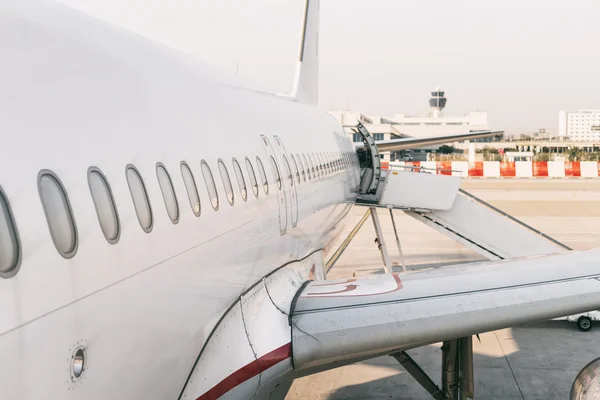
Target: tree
445, 149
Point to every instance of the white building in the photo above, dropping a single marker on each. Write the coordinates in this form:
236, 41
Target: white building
583, 125
401, 125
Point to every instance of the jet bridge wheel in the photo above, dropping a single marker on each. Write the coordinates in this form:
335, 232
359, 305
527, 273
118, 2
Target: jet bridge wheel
584, 323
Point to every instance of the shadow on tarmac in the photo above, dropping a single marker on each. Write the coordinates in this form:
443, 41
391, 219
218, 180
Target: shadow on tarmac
535, 361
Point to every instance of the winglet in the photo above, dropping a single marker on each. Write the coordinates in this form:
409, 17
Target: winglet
306, 86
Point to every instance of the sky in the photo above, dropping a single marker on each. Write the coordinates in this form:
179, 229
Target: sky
520, 60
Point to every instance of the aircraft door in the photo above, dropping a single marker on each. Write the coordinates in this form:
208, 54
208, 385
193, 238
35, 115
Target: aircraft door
278, 180
289, 184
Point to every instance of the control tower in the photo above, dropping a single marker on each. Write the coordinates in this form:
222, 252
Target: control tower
437, 102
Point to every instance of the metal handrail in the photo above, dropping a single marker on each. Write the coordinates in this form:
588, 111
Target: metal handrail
412, 167
542, 234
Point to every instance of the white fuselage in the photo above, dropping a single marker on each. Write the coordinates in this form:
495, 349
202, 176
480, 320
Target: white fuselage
77, 95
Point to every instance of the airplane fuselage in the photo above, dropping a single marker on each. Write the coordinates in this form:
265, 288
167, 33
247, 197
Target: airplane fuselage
143, 305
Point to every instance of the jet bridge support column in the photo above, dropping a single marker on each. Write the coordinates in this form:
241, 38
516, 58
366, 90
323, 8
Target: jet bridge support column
416, 372
402, 261
381, 241
450, 370
467, 378
457, 371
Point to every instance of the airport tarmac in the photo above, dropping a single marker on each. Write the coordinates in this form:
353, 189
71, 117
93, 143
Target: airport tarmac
534, 361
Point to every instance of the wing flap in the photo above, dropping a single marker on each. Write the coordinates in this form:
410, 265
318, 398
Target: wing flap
370, 316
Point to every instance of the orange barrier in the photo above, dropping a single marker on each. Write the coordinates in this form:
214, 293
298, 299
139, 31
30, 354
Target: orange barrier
476, 169
444, 167
540, 168
507, 169
572, 168
415, 164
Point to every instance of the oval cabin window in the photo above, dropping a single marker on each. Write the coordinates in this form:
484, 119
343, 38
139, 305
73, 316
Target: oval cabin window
210, 186
226, 181
252, 177
314, 165
139, 196
276, 173
301, 166
10, 252
168, 192
104, 203
263, 175
239, 176
58, 214
307, 167
191, 188
288, 171
295, 166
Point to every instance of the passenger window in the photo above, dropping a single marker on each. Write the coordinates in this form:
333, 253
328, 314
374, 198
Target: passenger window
10, 252
322, 166
252, 176
226, 181
288, 171
263, 175
168, 192
295, 165
210, 186
307, 167
58, 214
311, 159
191, 188
301, 167
141, 203
106, 210
276, 172
319, 164
240, 179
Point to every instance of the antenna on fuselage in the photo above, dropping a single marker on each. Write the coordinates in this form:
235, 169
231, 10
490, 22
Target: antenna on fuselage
306, 85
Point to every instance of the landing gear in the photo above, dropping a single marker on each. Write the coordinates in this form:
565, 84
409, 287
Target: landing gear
457, 371
584, 323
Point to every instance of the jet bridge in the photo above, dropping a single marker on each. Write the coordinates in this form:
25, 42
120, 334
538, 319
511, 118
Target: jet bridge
437, 201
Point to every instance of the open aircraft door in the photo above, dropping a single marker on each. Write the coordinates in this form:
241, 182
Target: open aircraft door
279, 185
288, 180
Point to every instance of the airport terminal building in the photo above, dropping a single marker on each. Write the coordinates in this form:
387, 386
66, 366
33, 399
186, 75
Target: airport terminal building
583, 125
401, 125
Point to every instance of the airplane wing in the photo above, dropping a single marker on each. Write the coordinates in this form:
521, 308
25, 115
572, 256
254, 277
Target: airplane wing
337, 322
413, 143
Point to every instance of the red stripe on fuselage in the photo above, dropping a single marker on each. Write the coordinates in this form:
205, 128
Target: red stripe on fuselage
248, 372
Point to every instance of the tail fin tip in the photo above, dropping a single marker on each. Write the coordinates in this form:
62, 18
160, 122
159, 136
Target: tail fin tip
306, 85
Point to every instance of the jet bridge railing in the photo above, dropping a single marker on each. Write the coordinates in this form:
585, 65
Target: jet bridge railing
420, 169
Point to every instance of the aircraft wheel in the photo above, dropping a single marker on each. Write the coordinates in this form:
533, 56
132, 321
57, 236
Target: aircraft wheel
584, 323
